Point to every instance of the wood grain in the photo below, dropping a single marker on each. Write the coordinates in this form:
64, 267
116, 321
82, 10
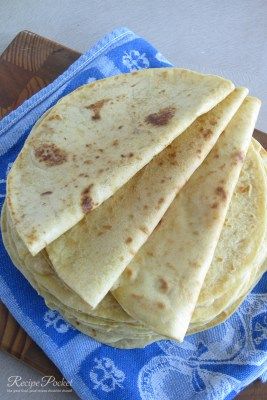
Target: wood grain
28, 64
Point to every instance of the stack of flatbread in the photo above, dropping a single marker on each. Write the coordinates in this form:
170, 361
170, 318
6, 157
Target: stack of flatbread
137, 206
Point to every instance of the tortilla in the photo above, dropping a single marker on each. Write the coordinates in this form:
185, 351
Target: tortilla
231, 309
242, 244
108, 334
95, 139
125, 335
161, 285
218, 301
111, 235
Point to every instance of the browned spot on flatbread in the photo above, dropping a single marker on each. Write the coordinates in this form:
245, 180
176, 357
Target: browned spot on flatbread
108, 227
163, 285
57, 117
137, 296
88, 162
213, 122
243, 189
46, 193
128, 155
87, 203
129, 240
214, 205
144, 229
115, 142
206, 133
158, 206
32, 236
172, 154
50, 154
162, 117
238, 156
160, 305
221, 192
96, 108
129, 272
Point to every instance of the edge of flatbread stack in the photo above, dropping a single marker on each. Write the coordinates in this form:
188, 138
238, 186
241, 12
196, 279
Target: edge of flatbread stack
137, 206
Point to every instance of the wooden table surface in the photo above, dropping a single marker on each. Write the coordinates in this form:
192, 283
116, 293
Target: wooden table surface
28, 64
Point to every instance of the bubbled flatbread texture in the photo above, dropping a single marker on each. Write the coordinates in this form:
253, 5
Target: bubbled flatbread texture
95, 139
111, 235
161, 285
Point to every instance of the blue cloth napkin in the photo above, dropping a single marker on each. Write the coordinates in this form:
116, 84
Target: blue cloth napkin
215, 364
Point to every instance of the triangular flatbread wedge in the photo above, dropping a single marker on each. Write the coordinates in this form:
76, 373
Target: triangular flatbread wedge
161, 285
95, 139
91, 256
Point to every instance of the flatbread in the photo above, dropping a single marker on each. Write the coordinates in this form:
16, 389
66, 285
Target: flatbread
111, 235
125, 335
109, 334
161, 285
242, 244
223, 303
95, 139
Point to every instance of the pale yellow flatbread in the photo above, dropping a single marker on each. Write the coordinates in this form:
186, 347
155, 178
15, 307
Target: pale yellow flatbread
95, 139
161, 285
110, 236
